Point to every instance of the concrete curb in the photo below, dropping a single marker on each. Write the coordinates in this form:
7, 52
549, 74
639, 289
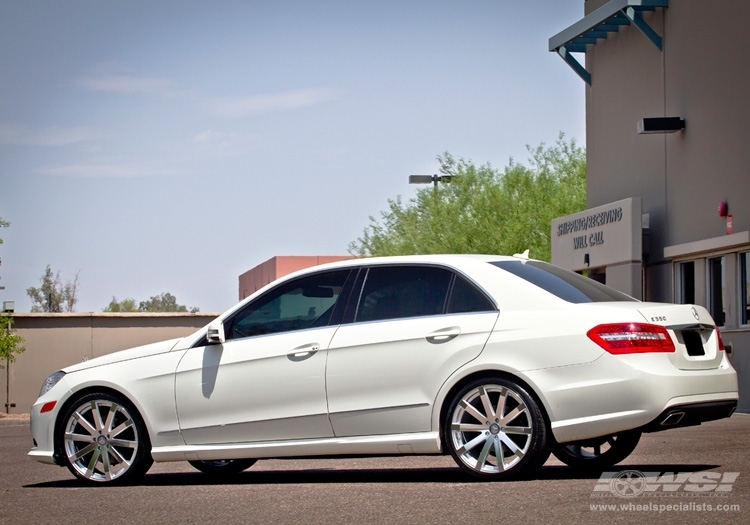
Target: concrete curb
14, 421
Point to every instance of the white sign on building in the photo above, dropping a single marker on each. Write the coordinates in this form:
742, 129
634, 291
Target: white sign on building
598, 237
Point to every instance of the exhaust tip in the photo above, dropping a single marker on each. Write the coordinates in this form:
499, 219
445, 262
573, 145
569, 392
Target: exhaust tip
672, 419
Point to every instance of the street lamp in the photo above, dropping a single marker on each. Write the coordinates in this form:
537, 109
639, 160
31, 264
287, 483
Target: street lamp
426, 179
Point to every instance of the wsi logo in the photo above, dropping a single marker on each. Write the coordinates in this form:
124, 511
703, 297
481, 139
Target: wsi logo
632, 483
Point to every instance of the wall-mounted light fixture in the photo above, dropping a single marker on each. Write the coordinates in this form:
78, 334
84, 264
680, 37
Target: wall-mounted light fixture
660, 125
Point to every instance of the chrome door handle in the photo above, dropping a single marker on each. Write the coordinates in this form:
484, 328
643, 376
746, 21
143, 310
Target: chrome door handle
303, 352
443, 335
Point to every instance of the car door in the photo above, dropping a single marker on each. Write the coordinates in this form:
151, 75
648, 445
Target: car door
414, 325
266, 381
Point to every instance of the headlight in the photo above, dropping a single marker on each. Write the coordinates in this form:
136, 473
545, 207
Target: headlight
51, 381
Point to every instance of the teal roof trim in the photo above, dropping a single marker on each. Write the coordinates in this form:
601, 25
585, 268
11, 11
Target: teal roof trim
609, 18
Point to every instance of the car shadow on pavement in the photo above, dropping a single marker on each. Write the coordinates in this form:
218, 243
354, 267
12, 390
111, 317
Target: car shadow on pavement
559, 472
353, 476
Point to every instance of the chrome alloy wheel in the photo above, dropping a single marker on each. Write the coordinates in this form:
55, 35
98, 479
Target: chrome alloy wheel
101, 440
491, 429
598, 453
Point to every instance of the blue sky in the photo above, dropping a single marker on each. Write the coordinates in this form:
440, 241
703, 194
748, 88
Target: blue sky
170, 146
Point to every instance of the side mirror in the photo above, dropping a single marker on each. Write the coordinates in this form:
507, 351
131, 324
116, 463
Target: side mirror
215, 333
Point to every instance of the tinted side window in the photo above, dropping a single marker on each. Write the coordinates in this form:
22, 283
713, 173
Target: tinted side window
392, 292
465, 297
306, 302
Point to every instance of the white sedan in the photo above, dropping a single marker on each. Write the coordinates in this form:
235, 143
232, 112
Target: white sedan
496, 360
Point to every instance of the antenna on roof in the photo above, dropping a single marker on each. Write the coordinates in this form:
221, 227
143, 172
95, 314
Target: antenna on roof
524, 255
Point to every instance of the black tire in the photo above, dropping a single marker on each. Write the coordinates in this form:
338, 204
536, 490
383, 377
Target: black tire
103, 440
495, 430
223, 467
597, 453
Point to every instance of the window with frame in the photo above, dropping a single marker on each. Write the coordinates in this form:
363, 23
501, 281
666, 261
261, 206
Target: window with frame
568, 286
306, 302
716, 290
744, 288
687, 282
395, 292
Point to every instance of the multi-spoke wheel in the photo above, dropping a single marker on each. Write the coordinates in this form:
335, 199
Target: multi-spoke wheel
223, 467
598, 453
495, 430
104, 440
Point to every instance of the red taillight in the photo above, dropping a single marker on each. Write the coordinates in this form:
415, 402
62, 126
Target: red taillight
49, 405
632, 338
721, 343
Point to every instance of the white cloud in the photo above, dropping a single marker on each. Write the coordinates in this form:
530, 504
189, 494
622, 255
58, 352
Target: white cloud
21, 134
221, 144
237, 107
125, 83
105, 170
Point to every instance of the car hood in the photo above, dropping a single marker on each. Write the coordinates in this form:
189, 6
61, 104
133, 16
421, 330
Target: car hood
125, 355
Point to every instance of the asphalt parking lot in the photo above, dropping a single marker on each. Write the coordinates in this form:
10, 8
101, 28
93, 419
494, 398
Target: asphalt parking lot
401, 490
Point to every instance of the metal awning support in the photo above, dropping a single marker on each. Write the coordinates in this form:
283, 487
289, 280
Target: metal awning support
599, 24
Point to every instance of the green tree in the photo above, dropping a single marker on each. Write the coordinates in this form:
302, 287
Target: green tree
126, 305
483, 210
9, 340
166, 302
10, 346
54, 295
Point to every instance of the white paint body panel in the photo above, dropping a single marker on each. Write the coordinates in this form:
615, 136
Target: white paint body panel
232, 392
383, 376
379, 387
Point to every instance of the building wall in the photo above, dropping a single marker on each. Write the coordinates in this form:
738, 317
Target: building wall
279, 266
701, 75
54, 341
621, 163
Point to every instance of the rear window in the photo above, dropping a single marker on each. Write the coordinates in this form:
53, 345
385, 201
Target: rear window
568, 286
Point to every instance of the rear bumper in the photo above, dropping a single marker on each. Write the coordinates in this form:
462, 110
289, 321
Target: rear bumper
690, 414
618, 393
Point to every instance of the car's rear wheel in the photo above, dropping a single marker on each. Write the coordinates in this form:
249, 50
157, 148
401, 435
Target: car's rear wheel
104, 440
223, 467
495, 430
597, 453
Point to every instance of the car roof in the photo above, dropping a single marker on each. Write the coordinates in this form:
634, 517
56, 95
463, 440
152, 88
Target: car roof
444, 258
508, 291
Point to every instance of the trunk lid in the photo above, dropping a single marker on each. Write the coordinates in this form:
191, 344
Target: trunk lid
693, 332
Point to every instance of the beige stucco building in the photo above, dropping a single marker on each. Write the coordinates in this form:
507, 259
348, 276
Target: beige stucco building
279, 266
667, 109
54, 341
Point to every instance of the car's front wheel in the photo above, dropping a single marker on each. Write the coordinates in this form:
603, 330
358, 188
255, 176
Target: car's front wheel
223, 467
598, 453
495, 430
104, 440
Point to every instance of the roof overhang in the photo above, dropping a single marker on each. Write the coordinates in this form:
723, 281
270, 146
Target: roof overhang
715, 244
609, 18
